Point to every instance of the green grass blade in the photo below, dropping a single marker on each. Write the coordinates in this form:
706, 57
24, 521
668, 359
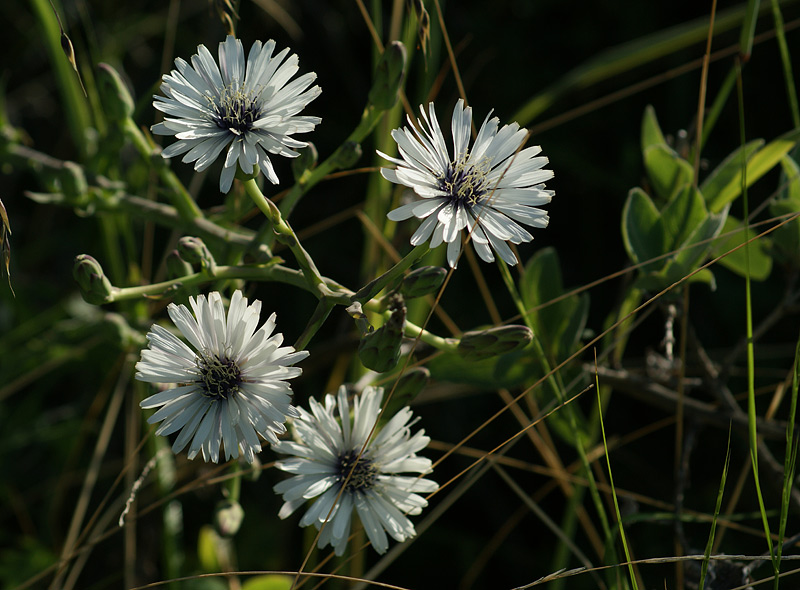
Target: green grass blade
751, 396
710, 543
790, 462
76, 108
786, 62
713, 112
748, 29
613, 489
628, 56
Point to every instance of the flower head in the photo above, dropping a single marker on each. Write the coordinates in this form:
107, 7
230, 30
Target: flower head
327, 444
489, 189
230, 387
250, 107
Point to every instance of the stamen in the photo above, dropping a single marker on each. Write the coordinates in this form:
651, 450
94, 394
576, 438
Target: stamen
236, 110
466, 184
363, 473
220, 377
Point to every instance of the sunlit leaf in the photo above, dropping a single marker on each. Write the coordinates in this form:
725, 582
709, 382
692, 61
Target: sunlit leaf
642, 229
725, 183
651, 131
681, 216
760, 261
667, 171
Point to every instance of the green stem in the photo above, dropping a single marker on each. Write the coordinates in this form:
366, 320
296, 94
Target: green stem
234, 484
369, 118
180, 197
339, 295
414, 331
285, 234
321, 313
374, 287
255, 272
311, 177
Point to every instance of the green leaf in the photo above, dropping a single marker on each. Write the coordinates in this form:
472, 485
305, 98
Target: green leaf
789, 186
786, 239
651, 131
667, 171
694, 251
725, 183
760, 261
559, 325
748, 28
508, 370
719, 185
642, 229
681, 216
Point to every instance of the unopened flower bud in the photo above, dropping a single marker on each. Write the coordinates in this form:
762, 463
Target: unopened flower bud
177, 267
422, 281
388, 76
380, 350
117, 327
95, 286
483, 344
73, 184
194, 250
347, 154
114, 94
228, 517
305, 161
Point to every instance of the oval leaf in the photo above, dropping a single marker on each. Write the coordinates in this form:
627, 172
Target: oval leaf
642, 230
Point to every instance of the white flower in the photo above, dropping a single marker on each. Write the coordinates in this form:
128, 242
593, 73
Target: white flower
325, 451
250, 106
486, 189
231, 387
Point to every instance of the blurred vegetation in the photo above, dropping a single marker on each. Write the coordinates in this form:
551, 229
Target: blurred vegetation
610, 91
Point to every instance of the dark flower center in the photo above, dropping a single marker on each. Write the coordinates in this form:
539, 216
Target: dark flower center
236, 110
364, 473
466, 185
220, 377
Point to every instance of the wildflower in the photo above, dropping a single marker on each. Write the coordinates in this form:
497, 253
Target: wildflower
326, 449
250, 107
230, 388
487, 189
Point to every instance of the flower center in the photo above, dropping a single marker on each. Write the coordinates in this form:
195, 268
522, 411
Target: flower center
220, 377
466, 184
363, 475
236, 110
